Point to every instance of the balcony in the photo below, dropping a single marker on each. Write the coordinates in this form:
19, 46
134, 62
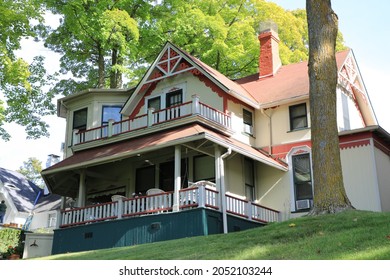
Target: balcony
192, 111
202, 194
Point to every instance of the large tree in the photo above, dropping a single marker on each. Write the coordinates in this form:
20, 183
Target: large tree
22, 98
222, 33
329, 191
97, 38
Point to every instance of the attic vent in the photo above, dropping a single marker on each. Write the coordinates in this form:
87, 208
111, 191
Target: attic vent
8, 185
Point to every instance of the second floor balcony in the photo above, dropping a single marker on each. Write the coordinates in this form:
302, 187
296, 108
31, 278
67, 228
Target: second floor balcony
192, 111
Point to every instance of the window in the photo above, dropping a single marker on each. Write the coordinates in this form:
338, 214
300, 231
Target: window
52, 220
302, 180
249, 179
80, 119
204, 168
344, 104
154, 103
248, 121
111, 113
174, 98
298, 117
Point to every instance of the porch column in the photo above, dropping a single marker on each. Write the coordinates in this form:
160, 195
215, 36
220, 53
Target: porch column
177, 176
220, 183
82, 190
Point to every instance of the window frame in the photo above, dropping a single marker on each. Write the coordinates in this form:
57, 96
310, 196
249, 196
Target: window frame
163, 95
296, 184
248, 125
249, 166
80, 127
300, 116
103, 122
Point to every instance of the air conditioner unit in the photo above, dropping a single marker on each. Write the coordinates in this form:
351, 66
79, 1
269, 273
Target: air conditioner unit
303, 204
248, 129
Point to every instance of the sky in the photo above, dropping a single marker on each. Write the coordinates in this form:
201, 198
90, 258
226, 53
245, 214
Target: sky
365, 27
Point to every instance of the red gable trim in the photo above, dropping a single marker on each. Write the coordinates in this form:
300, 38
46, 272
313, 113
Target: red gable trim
346, 142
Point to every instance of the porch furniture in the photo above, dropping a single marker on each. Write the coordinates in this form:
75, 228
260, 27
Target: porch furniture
154, 191
117, 197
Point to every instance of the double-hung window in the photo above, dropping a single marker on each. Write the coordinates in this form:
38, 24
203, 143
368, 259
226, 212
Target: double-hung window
248, 121
110, 113
302, 181
249, 179
298, 117
80, 119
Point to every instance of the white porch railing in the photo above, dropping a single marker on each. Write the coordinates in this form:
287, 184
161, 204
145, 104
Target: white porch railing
194, 107
202, 194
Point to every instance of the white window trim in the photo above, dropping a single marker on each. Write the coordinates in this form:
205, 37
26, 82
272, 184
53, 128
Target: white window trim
164, 93
297, 151
248, 129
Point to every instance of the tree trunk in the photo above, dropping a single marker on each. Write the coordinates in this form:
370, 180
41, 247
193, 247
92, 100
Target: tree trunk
115, 75
101, 70
329, 192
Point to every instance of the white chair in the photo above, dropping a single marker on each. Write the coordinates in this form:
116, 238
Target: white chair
117, 197
154, 191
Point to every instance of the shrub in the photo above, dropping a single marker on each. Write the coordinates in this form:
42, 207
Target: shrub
11, 240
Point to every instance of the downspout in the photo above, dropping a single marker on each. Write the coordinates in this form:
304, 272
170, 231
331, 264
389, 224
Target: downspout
270, 130
27, 223
223, 190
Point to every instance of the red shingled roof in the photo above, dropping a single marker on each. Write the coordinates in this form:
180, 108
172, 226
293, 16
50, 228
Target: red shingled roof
290, 82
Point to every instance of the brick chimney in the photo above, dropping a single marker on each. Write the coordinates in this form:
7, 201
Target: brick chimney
269, 61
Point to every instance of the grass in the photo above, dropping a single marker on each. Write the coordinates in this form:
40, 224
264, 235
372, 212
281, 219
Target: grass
350, 235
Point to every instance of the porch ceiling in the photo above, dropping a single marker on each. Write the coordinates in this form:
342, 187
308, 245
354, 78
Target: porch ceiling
66, 170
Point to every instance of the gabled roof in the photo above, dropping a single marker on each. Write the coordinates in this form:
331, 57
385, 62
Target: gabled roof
289, 84
173, 61
25, 195
22, 192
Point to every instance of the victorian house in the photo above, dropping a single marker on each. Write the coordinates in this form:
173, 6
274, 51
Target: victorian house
190, 152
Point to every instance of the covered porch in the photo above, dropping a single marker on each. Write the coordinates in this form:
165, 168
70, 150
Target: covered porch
167, 172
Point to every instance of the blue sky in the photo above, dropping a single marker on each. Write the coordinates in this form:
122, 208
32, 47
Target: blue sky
364, 24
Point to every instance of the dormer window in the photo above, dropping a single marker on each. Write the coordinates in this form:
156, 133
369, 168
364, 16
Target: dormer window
248, 121
298, 117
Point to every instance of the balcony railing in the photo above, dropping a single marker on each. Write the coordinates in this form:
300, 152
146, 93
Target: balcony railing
191, 108
201, 195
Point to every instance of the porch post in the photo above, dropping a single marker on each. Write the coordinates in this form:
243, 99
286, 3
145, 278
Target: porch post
82, 190
220, 182
150, 116
176, 199
195, 104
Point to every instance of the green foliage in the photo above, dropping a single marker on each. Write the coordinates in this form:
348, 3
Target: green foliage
27, 103
96, 39
101, 40
350, 235
21, 98
11, 240
31, 169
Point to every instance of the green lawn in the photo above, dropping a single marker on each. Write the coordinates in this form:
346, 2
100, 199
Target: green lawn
351, 235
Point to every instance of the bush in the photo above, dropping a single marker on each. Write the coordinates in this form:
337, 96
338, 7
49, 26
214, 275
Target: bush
11, 238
